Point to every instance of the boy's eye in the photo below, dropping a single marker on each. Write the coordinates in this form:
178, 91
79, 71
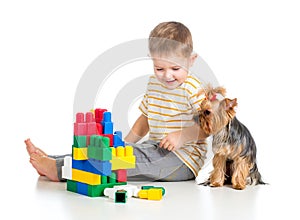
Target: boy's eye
175, 68
159, 69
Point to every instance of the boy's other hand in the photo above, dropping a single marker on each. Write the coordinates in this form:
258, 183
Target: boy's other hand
172, 141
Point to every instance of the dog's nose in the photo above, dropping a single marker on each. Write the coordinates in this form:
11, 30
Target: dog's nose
206, 112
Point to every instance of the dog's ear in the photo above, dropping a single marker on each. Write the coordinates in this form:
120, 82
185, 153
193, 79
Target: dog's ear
220, 90
229, 106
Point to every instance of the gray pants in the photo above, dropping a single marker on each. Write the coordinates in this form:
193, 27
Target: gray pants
152, 164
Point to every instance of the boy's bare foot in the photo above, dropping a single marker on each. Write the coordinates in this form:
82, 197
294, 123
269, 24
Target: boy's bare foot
31, 148
40, 160
44, 165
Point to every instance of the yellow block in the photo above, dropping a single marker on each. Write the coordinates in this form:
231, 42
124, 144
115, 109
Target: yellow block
120, 151
151, 194
128, 151
118, 163
86, 177
122, 158
155, 194
80, 153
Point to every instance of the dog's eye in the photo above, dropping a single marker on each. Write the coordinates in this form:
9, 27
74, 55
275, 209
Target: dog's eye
206, 112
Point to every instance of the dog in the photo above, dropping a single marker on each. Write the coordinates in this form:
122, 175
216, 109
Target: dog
234, 148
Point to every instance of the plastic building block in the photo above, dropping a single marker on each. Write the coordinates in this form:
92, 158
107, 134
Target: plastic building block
107, 123
82, 188
99, 128
111, 139
132, 191
67, 168
150, 194
80, 153
121, 175
122, 158
79, 164
79, 141
86, 177
79, 125
98, 148
96, 162
155, 187
112, 178
128, 151
98, 190
99, 167
91, 127
118, 139
99, 114
71, 186
121, 196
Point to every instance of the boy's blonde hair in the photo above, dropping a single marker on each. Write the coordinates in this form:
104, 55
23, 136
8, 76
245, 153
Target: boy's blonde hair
170, 38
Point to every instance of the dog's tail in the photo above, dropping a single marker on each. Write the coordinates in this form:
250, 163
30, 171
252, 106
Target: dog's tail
255, 176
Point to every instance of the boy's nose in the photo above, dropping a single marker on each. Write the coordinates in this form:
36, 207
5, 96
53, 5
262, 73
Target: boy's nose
168, 74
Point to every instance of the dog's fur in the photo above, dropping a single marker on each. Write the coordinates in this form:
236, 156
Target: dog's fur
233, 146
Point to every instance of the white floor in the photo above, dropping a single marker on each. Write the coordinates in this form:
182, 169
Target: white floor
33, 197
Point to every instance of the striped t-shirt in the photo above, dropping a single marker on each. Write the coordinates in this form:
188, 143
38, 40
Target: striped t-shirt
171, 110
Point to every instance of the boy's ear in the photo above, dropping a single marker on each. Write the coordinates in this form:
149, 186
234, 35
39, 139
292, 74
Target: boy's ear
193, 58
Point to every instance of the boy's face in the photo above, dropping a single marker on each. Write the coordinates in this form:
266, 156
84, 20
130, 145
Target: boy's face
172, 72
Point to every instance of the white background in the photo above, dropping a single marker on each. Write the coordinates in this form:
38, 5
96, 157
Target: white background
45, 47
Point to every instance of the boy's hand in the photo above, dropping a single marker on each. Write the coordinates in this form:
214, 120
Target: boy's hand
172, 141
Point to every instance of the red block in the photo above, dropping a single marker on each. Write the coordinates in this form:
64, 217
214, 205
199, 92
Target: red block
79, 125
91, 128
99, 128
121, 175
99, 114
89, 117
111, 139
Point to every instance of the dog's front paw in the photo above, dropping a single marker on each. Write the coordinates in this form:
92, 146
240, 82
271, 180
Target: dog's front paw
238, 186
216, 184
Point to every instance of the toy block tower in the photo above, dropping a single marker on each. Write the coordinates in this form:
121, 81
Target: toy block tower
100, 158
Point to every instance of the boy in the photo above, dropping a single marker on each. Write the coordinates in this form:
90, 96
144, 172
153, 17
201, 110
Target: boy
173, 152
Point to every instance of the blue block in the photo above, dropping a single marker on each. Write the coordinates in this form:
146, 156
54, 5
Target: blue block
107, 127
82, 188
107, 124
102, 168
78, 164
118, 139
118, 133
106, 116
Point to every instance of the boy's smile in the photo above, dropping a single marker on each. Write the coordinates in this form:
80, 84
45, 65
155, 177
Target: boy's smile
172, 73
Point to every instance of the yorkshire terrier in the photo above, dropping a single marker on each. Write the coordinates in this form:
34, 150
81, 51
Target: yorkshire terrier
232, 144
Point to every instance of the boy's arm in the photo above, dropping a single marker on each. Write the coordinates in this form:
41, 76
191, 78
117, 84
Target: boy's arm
138, 130
177, 139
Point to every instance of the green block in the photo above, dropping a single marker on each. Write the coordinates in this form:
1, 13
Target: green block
96, 140
104, 179
121, 196
112, 178
105, 141
71, 186
99, 153
79, 141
